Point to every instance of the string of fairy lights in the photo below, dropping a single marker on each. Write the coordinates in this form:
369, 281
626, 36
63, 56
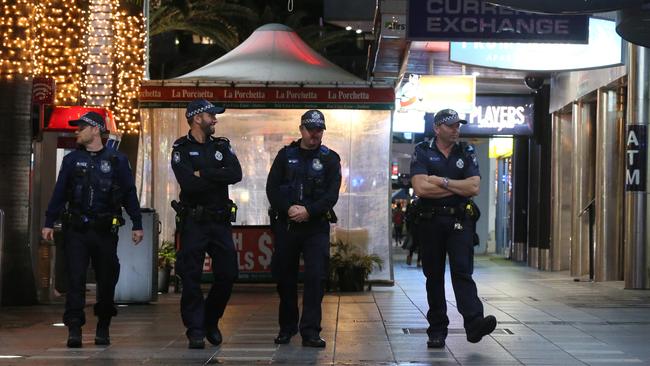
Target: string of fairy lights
95, 55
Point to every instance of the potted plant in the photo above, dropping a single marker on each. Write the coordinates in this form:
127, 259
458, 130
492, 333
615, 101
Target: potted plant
166, 259
349, 269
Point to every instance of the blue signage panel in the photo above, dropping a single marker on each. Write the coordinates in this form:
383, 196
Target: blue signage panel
603, 49
476, 20
501, 115
636, 156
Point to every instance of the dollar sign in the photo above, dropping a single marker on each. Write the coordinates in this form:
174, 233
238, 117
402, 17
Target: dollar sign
264, 244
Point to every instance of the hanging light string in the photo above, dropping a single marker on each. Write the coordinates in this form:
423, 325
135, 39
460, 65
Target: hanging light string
96, 57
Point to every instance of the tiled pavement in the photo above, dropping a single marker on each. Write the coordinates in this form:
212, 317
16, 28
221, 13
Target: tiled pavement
544, 319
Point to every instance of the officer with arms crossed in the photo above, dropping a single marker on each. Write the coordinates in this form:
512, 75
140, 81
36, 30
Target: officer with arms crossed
303, 187
204, 166
445, 176
94, 183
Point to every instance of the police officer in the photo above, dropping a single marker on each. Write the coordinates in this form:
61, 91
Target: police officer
94, 183
204, 166
445, 176
303, 187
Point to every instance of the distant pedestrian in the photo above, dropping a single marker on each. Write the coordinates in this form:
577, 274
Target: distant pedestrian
398, 223
411, 222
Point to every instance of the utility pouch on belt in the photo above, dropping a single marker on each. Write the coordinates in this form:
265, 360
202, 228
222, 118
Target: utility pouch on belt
116, 222
180, 213
232, 209
331, 216
273, 215
472, 211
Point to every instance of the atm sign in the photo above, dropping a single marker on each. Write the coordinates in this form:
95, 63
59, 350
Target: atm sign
636, 156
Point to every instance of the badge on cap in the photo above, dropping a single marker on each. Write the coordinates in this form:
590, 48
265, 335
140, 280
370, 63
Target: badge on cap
176, 158
316, 164
460, 163
218, 155
105, 166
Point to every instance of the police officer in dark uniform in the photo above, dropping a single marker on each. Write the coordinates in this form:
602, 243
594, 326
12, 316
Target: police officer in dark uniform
303, 187
445, 176
204, 166
94, 183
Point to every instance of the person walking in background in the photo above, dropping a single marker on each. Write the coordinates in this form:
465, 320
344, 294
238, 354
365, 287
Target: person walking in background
398, 223
204, 166
411, 222
94, 183
445, 175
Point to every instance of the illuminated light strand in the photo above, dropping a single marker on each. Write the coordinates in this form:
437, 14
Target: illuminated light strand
96, 57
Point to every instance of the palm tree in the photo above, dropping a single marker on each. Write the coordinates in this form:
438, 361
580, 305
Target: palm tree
206, 18
229, 22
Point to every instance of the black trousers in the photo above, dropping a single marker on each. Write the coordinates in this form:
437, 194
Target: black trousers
438, 238
81, 247
198, 238
312, 240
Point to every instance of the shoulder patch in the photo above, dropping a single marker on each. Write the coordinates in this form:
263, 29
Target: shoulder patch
324, 150
424, 145
180, 142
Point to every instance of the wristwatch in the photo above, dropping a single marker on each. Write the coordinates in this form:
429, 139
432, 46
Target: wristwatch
445, 182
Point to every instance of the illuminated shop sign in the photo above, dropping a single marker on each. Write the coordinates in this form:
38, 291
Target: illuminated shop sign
432, 93
476, 20
569, 6
501, 115
491, 116
604, 49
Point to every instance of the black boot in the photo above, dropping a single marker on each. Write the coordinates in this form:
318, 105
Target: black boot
102, 336
213, 335
74, 336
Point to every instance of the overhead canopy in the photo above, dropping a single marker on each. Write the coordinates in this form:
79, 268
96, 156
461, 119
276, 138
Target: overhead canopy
273, 53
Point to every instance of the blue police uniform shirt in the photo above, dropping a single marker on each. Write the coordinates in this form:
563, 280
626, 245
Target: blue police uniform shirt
218, 166
311, 178
460, 164
85, 186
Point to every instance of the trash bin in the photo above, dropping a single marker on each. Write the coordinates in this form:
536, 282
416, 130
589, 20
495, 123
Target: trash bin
138, 282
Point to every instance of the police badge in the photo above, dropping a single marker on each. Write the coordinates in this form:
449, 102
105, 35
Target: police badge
460, 163
176, 158
105, 166
218, 155
316, 164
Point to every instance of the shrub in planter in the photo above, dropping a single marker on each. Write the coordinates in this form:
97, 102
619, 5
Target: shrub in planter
349, 269
166, 259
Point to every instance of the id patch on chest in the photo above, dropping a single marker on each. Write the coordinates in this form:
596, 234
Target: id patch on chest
460, 163
316, 164
105, 166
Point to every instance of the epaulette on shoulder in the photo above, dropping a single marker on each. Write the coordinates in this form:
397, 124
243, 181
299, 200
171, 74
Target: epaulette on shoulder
324, 150
466, 147
222, 140
424, 145
180, 142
